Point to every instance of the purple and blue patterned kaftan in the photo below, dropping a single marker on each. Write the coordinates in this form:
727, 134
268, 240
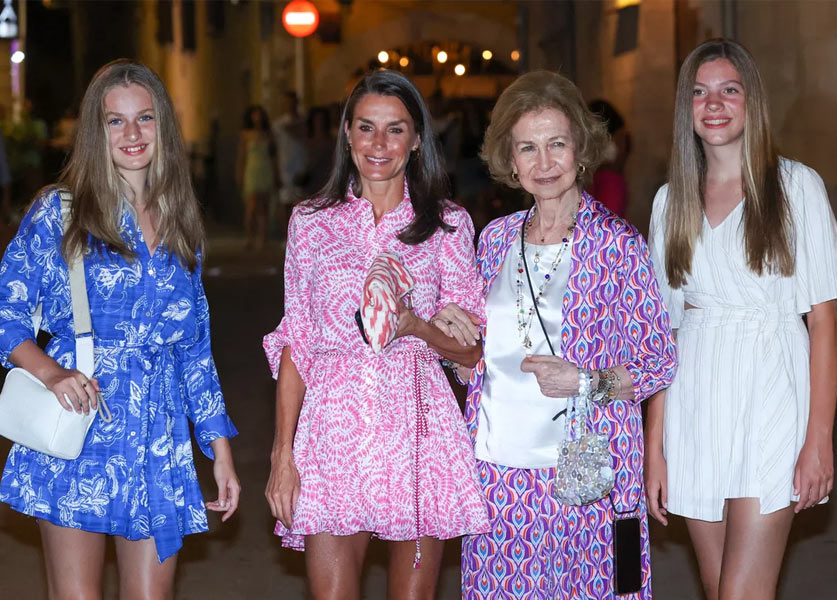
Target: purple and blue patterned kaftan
613, 315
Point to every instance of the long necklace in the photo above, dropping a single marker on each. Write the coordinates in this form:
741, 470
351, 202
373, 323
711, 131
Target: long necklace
524, 317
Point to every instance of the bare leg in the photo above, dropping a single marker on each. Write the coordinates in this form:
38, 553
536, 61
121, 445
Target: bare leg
708, 541
261, 218
74, 561
249, 217
141, 576
334, 564
405, 582
753, 552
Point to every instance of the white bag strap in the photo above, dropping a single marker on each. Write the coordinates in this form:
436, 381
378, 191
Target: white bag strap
82, 326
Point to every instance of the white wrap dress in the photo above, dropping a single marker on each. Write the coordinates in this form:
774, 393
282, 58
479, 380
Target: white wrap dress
737, 412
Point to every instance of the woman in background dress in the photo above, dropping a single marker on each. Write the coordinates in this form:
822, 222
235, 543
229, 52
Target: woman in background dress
744, 243
136, 221
256, 174
374, 444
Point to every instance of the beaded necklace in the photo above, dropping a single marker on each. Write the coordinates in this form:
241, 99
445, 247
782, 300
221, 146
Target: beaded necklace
524, 318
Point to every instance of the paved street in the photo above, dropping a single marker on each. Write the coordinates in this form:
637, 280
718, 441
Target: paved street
242, 559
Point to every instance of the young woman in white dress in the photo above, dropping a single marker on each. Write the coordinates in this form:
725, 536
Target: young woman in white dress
744, 244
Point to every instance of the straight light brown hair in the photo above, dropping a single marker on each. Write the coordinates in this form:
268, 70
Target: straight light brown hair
100, 194
768, 230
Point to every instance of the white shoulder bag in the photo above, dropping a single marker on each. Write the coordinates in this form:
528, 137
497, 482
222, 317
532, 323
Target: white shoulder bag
29, 412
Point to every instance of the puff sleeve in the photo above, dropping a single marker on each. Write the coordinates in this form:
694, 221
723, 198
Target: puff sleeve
31, 261
647, 325
203, 400
460, 282
296, 326
815, 229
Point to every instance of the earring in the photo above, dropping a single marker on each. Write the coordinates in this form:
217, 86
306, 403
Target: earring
581, 170
515, 176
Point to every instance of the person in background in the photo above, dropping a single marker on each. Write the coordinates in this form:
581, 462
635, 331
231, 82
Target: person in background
744, 243
609, 185
256, 174
136, 223
289, 131
319, 152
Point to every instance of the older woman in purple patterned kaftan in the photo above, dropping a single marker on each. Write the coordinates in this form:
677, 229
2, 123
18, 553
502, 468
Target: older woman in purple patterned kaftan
593, 285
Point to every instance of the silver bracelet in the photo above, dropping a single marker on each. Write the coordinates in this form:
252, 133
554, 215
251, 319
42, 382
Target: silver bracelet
585, 382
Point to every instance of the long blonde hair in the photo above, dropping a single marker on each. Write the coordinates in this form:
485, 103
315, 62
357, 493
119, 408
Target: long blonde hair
768, 230
100, 193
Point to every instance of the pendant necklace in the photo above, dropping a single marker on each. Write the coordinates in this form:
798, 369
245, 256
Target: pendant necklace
524, 317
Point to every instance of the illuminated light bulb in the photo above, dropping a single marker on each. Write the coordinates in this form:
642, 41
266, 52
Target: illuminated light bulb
383, 57
459, 69
442, 57
18, 56
515, 55
404, 61
487, 54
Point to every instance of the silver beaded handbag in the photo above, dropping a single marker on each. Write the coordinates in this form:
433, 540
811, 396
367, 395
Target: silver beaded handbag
585, 466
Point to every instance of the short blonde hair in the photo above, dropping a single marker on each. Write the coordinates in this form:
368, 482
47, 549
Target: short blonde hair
536, 91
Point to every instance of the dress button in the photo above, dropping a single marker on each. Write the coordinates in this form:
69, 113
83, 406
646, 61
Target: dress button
148, 313
151, 271
368, 379
367, 420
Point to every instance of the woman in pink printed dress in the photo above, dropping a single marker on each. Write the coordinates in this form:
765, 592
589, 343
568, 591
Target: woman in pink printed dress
374, 444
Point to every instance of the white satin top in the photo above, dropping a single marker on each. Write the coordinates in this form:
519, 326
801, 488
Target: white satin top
515, 425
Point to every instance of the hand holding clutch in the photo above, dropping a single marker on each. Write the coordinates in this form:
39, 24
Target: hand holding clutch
387, 282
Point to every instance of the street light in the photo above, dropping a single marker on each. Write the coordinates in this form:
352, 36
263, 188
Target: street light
442, 57
403, 61
487, 54
515, 55
18, 56
459, 69
383, 57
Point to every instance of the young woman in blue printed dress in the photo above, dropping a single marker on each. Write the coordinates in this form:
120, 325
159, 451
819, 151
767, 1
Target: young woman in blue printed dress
135, 219
744, 243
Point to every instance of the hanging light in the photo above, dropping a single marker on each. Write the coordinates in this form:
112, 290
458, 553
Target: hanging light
403, 61
442, 57
515, 55
383, 57
18, 56
459, 69
487, 55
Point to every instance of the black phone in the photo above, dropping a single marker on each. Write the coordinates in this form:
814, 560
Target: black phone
359, 321
627, 567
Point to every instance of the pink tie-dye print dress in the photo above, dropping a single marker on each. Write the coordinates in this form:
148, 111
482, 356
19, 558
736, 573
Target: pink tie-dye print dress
381, 445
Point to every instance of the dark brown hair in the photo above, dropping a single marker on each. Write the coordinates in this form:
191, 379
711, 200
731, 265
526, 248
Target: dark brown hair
425, 172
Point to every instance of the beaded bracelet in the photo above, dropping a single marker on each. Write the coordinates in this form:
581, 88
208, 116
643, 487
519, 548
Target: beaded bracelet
585, 382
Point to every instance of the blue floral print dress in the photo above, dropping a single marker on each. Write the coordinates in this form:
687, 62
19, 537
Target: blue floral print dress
135, 476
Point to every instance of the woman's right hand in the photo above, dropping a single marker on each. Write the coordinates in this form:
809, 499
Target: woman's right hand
656, 485
74, 391
283, 489
458, 323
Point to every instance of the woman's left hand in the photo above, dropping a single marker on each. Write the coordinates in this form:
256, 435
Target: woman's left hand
813, 477
556, 377
229, 487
